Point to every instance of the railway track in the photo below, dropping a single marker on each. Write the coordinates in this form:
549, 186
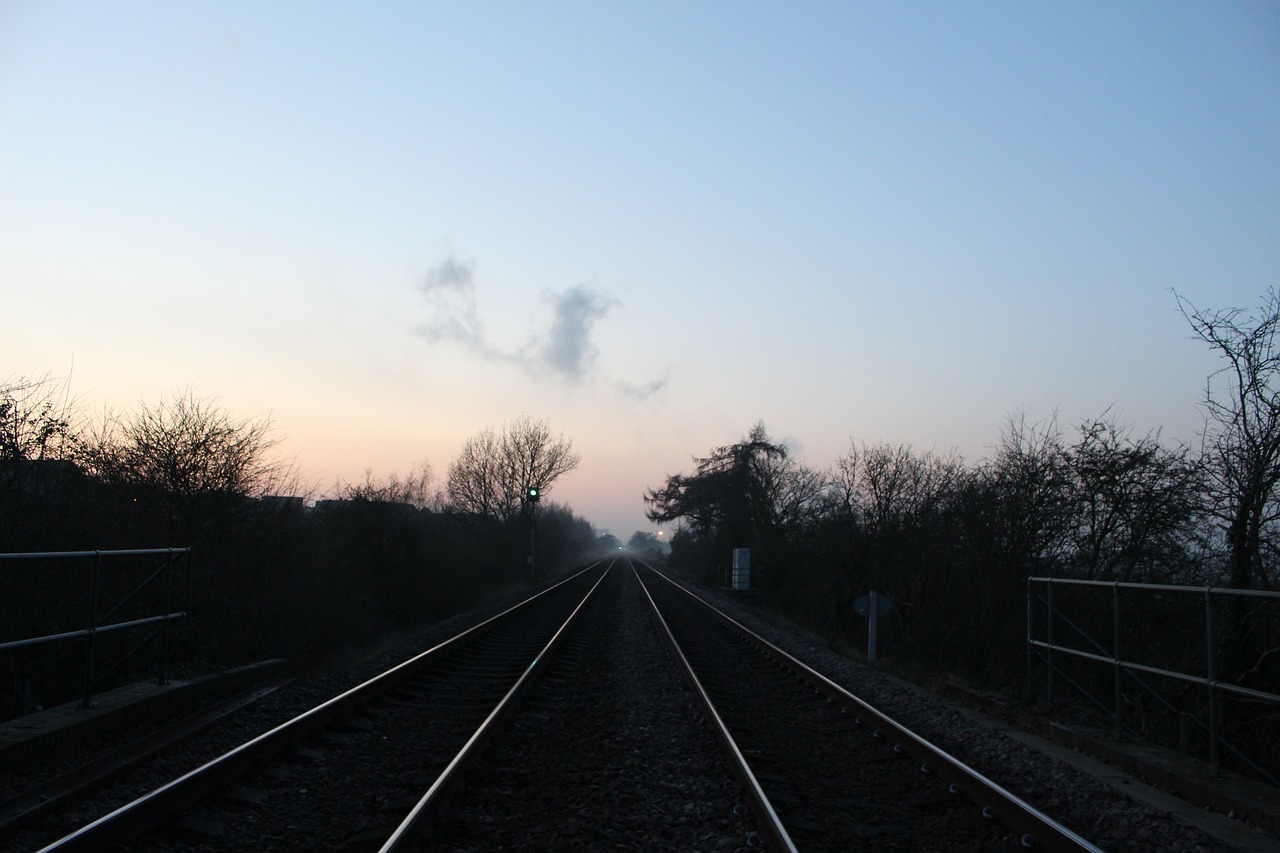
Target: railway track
610, 753
563, 724
347, 772
823, 769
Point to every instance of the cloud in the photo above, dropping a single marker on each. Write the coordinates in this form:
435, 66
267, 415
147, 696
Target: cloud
567, 347
450, 291
640, 393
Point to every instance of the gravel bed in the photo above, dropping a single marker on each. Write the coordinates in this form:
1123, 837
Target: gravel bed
609, 754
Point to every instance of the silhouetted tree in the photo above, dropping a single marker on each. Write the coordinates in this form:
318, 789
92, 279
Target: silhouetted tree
474, 482
532, 456
1137, 505
563, 540
414, 489
189, 456
642, 542
893, 503
38, 443
1027, 485
1242, 431
35, 424
748, 494
490, 475
728, 494
889, 488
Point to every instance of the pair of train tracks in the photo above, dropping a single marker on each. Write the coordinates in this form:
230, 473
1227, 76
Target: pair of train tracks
371, 747
575, 732
823, 769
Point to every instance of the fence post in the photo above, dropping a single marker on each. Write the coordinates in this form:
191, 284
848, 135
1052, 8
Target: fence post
162, 671
1048, 652
91, 637
873, 611
1215, 756
1118, 713
1030, 636
191, 580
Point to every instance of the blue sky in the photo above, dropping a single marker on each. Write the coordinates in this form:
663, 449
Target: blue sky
390, 225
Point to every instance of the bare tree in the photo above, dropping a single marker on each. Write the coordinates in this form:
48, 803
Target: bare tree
532, 456
798, 495
473, 479
35, 420
894, 519
413, 489
1025, 492
1242, 430
1137, 504
38, 442
888, 488
491, 474
190, 454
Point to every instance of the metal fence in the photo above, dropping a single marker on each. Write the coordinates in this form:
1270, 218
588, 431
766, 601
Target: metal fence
165, 584
1056, 634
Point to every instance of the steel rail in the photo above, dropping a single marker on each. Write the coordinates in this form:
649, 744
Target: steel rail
133, 552
150, 809
419, 818
1037, 829
1230, 591
86, 632
769, 825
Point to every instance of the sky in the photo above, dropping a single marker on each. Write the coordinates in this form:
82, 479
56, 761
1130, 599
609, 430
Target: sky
388, 226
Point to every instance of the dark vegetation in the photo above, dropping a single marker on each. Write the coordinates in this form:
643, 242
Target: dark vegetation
275, 574
952, 543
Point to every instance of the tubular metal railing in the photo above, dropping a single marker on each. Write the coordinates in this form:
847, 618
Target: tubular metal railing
96, 622
1125, 670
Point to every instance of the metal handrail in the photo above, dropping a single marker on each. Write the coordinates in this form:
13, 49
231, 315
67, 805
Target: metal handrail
96, 624
127, 552
1124, 668
85, 632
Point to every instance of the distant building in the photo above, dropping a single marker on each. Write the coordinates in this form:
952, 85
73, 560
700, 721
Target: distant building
291, 503
40, 478
343, 504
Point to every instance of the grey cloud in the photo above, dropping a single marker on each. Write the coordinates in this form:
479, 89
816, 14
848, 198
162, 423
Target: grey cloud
567, 347
641, 393
450, 291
